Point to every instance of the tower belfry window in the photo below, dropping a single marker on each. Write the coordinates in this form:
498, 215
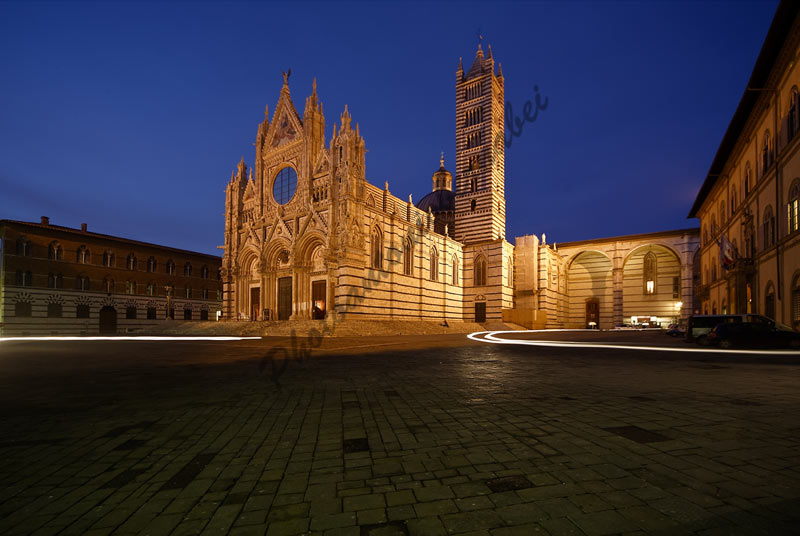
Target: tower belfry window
649, 273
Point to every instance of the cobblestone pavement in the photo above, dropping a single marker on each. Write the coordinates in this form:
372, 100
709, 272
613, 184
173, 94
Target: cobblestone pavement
391, 436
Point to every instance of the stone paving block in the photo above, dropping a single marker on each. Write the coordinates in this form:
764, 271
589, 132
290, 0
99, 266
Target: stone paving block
426, 526
468, 521
333, 521
372, 516
400, 513
601, 523
363, 502
290, 527
435, 508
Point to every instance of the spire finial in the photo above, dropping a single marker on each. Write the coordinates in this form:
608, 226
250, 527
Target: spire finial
286, 75
314, 86
441, 160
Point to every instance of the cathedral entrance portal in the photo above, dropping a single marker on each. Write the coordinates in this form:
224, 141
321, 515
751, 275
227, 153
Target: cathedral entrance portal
255, 301
592, 313
480, 312
284, 298
318, 300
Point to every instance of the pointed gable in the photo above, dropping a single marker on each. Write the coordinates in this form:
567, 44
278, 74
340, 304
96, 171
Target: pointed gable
286, 125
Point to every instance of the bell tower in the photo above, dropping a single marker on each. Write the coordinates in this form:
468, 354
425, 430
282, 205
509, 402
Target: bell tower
480, 201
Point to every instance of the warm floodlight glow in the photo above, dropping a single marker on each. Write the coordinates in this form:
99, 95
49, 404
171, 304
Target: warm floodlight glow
678, 304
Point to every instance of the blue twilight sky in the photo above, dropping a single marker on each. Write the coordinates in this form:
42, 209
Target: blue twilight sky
130, 116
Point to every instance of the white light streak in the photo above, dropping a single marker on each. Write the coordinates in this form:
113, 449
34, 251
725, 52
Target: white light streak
126, 338
492, 338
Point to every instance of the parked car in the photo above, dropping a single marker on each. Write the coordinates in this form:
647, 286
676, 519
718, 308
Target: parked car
700, 326
676, 330
753, 335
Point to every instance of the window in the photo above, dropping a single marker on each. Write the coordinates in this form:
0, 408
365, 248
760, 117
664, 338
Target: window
151, 264
151, 289
796, 302
82, 283
151, 313
24, 278
55, 252
480, 271
474, 163
108, 259
23, 247
733, 200
55, 280
510, 272
722, 212
794, 206
793, 119
204, 272
188, 292
769, 227
170, 267
769, 301
130, 287
204, 314
187, 314
187, 270
54, 310
408, 257
676, 287
82, 311
219, 295
108, 285
714, 273
376, 256
455, 270
23, 308
649, 273
130, 312
714, 226
285, 184
747, 179
472, 205
766, 156
83, 255
131, 262
434, 267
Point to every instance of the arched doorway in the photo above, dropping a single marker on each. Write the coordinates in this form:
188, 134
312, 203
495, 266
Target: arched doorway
590, 288
108, 320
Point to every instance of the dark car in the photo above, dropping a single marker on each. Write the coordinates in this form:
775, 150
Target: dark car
753, 335
676, 330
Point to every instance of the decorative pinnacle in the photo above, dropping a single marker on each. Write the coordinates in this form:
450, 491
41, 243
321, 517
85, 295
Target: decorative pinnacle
441, 160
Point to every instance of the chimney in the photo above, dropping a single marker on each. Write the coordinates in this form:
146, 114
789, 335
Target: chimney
45, 220
83, 227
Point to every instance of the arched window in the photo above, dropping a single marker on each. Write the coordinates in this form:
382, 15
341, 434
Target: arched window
479, 267
713, 226
408, 257
54, 310
82, 283
472, 205
766, 156
733, 200
151, 289
713, 308
713, 270
205, 293
82, 310
170, 267
55, 280
108, 258
724, 307
188, 293
55, 252
794, 117
187, 269
83, 255
722, 212
24, 278
455, 270
376, 241
131, 262
23, 308
130, 312
473, 184
705, 235
23, 247
204, 272
108, 285
796, 301
130, 287
769, 301
152, 265
649, 273
769, 227
794, 206
747, 179
510, 272
434, 268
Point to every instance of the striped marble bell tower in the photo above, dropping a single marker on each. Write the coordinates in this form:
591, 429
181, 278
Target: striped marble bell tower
480, 152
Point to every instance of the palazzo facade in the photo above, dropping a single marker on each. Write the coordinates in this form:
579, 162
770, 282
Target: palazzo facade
307, 237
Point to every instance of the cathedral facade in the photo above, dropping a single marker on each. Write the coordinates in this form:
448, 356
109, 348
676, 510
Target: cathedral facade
307, 237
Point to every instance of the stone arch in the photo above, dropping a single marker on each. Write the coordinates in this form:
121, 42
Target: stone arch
307, 247
590, 281
273, 251
659, 299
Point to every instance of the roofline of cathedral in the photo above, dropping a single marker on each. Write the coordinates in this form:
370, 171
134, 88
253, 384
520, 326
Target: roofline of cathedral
689, 230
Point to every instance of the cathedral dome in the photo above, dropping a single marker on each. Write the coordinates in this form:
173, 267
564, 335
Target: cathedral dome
438, 201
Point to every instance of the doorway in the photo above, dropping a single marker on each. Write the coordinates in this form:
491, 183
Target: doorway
255, 302
480, 312
108, 320
593, 313
284, 298
318, 300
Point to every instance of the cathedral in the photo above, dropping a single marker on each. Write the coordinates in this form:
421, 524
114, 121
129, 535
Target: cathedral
307, 237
